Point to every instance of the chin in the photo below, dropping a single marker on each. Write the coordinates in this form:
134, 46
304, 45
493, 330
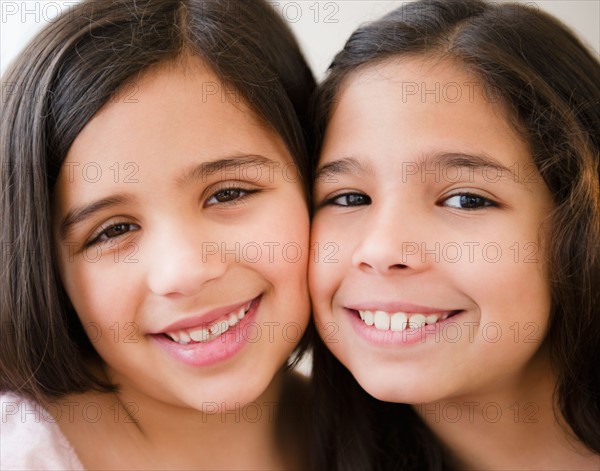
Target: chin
400, 390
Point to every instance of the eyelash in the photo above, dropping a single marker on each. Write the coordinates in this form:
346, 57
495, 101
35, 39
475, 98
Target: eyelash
487, 203
332, 201
103, 230
243, 193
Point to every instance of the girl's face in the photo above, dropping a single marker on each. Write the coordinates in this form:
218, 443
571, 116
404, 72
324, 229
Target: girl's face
438, 288
182, 230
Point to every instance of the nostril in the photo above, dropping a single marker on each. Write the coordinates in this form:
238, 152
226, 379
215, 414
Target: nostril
365, 266
398, 266
370, 268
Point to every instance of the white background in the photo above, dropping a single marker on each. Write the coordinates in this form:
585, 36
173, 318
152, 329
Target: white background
322, 26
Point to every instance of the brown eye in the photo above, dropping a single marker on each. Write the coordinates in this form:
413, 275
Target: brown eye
349, 199
468, 201
229, 195
112, 232
116, 230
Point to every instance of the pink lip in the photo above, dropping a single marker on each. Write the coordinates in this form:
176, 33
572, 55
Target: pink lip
204, 319
220, 349
396, 307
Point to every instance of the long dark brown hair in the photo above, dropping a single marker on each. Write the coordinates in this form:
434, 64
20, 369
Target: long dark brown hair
550, 84
64, 76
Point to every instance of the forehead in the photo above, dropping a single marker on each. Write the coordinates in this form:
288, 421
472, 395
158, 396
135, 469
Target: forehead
170, 98
420, 83
172, 114
418, 105
448, 79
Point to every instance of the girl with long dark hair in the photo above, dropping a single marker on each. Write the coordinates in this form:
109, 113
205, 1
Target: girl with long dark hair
458, 175
153, 197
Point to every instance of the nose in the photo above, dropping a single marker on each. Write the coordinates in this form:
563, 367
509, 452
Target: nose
388, 242
181, 260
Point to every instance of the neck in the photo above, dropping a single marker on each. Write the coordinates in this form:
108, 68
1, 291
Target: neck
148, 434
513, 427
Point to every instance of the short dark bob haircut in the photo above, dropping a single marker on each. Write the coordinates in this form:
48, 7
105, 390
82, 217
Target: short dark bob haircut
550, 84
64, 76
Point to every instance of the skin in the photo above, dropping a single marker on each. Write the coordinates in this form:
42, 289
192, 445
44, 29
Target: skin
388, 195
133, 268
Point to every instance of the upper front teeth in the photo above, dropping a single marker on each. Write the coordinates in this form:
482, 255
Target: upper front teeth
399, 321
206, 334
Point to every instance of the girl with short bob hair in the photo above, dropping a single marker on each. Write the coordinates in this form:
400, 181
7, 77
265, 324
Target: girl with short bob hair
147, 148
463, 86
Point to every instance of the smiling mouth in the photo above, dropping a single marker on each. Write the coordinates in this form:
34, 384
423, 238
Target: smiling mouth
401, 321
208, 333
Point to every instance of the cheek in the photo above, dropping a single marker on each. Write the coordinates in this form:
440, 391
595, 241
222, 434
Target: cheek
512, 299
514, 307
277, 242
330, 259
99, 296
318, 291
524, 302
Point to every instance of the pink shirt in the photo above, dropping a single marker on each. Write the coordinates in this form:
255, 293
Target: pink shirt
30, 438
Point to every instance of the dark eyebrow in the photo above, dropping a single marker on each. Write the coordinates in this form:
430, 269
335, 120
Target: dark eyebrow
472, 161
231, 165
344, 166
80, 214
351, 165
